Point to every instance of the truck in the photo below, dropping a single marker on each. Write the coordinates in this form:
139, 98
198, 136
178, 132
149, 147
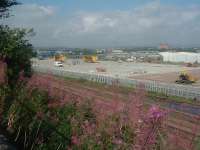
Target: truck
58, 64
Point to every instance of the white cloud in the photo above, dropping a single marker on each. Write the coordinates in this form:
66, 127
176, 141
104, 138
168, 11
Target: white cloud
149, 24
47, 10
33, 10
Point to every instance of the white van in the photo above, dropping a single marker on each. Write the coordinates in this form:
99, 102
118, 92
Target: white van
58, 64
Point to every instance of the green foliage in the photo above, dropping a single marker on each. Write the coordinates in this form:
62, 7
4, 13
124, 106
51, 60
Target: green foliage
16, 52
197, 143
4, 7
3, 90
128, 134
161, 96
36, 125
15, 49
33, 123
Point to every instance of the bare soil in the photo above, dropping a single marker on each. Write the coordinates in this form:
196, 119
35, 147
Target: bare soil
169, 77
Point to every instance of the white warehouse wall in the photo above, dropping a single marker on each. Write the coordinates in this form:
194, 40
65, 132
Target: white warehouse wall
180, 57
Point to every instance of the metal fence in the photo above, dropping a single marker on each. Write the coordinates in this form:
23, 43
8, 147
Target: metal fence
185, 91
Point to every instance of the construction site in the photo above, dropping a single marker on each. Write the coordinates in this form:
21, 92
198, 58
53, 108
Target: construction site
172, 87
167, 73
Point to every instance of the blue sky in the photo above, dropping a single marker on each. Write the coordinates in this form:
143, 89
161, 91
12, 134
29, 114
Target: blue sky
110, 23
180, 2
89, 5
108, 5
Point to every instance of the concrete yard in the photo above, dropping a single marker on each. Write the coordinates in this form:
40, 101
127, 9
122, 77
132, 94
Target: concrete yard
159, 72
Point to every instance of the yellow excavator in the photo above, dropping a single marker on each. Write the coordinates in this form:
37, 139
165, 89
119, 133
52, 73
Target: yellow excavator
59, 57
90, 58
186, 78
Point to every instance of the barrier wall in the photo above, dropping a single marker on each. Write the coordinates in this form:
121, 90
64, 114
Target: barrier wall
185, 91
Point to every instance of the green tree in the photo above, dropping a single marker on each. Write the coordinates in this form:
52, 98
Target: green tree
4, 7
16, 52
15, 49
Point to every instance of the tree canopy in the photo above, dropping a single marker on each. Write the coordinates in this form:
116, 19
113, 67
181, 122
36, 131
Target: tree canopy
16, 52
15, 49
4, 7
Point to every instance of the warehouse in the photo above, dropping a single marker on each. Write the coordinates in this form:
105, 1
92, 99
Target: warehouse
185, 57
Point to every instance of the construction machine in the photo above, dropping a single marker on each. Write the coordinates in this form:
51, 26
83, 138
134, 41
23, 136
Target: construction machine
90, 58
195, 64
59, 58
186, 78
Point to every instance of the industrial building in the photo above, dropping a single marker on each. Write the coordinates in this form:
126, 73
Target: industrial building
163, 46
186, 57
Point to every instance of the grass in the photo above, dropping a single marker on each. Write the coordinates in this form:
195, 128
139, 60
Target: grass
73, 125
84, 82
162, 97
157, 97
152, 95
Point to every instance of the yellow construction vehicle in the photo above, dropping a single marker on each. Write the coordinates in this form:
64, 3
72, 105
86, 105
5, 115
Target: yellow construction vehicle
195, 64
90, 58
186, 78
59, 57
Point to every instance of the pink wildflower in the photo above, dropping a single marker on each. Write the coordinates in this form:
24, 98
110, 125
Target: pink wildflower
134, 106
155, 113
117, 141
75, 140
88, 127
148, 129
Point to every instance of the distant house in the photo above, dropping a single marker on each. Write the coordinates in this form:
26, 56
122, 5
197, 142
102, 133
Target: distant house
117, 51
163, 46
198, 51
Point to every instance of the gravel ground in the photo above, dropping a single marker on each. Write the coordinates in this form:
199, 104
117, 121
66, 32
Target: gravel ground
170, 77
124, 69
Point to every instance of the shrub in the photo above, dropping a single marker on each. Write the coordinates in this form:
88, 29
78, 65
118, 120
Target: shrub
40, 120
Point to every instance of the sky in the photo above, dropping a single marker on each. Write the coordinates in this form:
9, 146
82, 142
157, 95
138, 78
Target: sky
109, 23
